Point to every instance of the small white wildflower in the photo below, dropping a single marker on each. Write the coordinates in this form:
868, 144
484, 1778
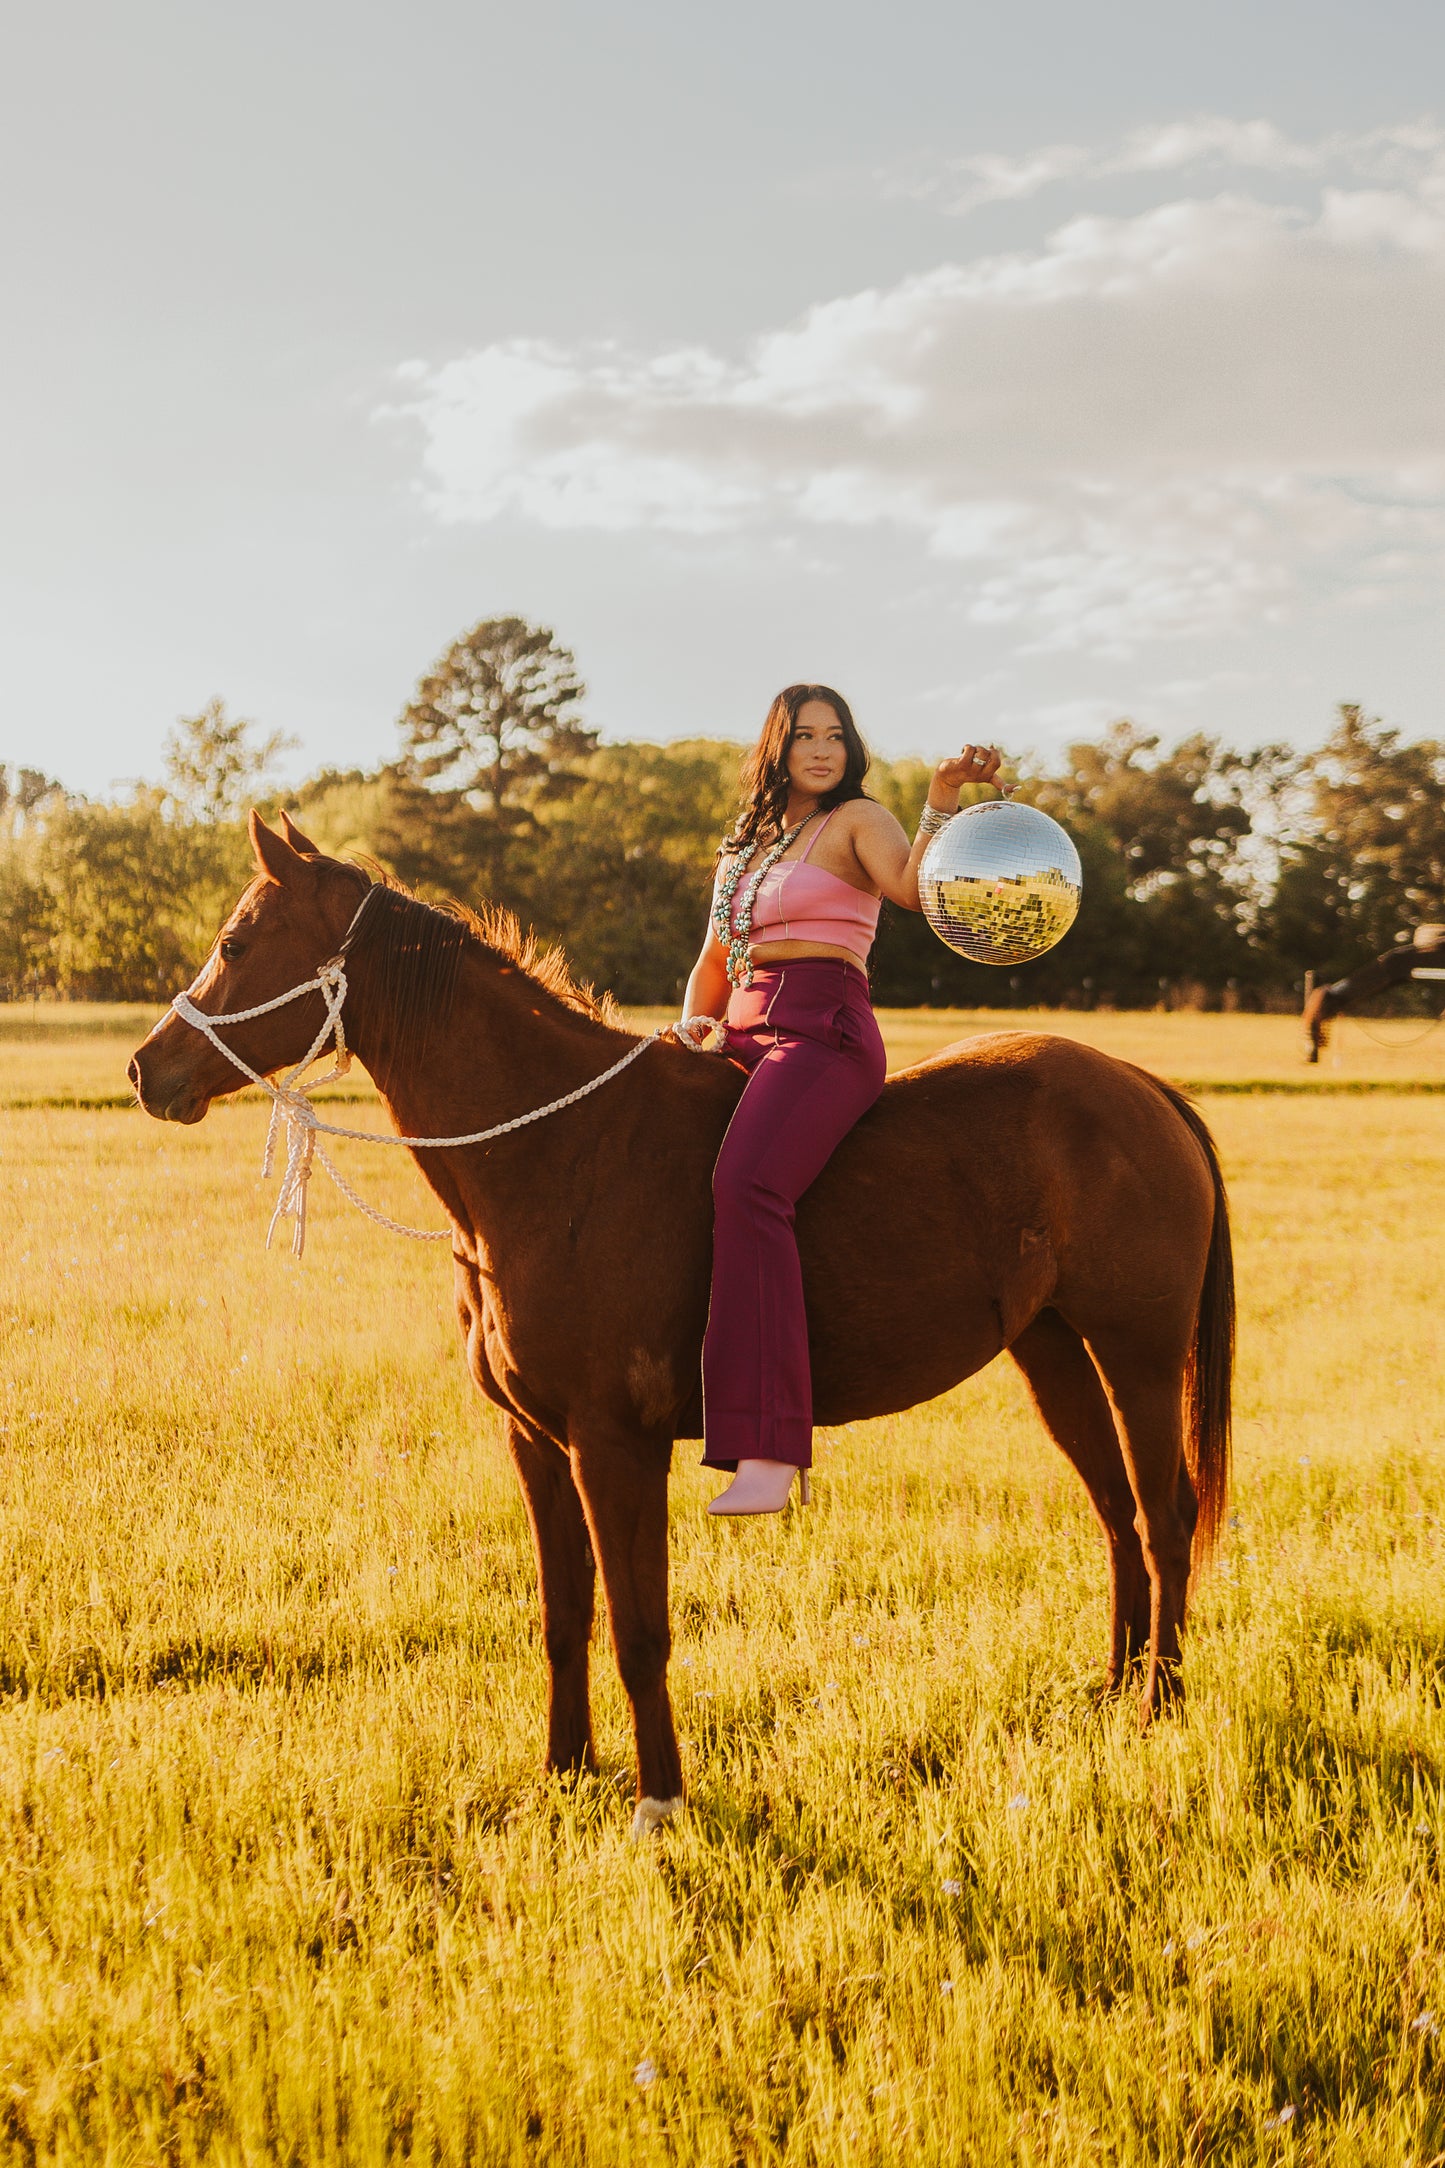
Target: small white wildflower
945, 1987
1426, 2024
1169, 1947
1194, 1940
646, 2072
952, 1888
1277, 2122
860, 1641
1304, 1461
1018, 1803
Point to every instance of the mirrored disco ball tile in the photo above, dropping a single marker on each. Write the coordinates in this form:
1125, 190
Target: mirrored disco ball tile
1001, 883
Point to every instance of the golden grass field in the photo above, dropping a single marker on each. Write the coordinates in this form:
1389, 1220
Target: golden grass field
282, 1882
76, 1053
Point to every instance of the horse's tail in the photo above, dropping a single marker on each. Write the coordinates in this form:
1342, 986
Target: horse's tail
1209, 1375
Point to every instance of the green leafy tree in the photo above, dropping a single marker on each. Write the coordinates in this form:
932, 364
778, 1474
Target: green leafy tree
1363, 858
215, 766
498, 719
1172, 896
129, 894
25, 793
27, 797
620, 870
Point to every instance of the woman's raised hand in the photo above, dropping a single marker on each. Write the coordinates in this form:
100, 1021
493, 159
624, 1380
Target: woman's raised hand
975, 764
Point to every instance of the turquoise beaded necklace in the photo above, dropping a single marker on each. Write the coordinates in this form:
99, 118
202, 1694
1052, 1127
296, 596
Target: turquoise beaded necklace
735, 938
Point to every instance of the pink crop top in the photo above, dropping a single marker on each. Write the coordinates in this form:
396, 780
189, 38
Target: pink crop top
799, 902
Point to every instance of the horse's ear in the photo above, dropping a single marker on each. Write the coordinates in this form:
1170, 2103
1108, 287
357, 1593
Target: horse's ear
274, 855
298, 840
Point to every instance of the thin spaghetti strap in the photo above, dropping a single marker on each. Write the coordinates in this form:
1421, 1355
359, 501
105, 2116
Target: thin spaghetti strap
815, 835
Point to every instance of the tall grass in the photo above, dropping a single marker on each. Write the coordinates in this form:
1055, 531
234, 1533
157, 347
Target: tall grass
282, 1881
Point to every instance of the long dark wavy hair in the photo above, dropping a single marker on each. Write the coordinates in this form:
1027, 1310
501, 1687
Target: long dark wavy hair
765, 771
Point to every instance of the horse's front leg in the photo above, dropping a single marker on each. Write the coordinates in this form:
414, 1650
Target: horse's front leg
623, 1480
566, 1577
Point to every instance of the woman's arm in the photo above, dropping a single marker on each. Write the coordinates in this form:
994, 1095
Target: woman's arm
880, 844
707, 988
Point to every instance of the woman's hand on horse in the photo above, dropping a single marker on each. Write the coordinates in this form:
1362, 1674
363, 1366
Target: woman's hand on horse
975, 764
693, 1030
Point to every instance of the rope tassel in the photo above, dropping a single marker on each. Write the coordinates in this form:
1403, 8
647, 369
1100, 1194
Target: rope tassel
300, 1151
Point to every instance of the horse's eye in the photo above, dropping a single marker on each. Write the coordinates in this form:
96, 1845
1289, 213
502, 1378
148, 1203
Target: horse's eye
232, 951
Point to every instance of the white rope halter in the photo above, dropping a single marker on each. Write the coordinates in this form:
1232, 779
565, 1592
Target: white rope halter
291, 1104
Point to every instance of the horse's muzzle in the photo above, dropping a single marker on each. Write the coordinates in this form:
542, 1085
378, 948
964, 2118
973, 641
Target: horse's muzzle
170, 1098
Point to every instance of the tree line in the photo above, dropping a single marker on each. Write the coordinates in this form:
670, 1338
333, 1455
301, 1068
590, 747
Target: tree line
1211, 875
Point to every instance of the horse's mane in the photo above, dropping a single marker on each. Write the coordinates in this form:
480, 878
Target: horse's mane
414, 949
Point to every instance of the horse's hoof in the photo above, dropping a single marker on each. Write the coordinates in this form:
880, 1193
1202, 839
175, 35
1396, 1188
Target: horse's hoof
1124, 1671
652, 1814
1163, 1695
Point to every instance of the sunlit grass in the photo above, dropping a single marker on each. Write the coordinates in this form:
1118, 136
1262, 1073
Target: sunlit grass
1189, 1045
282, 1880
63, 1052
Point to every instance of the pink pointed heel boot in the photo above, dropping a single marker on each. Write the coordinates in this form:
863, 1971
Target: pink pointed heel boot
761, 1486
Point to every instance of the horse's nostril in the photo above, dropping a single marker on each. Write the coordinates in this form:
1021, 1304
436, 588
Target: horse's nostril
132, 1070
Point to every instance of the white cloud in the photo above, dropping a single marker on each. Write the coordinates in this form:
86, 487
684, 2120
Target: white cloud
1407, 151
1185, 418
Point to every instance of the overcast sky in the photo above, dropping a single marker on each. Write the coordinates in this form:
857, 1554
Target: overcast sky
1010, 367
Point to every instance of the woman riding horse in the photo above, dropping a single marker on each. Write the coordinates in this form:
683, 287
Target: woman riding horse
572, 1160
794, 912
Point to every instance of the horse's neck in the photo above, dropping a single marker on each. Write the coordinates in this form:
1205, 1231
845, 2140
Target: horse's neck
505, 1047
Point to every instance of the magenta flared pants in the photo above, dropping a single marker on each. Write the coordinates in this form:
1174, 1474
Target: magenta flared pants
807, 1032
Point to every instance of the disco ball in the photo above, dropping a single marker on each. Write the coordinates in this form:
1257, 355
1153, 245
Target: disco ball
1000, 883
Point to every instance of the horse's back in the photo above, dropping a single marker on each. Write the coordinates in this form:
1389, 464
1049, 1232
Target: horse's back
1046, 1127
1001, 1175
1022, 1078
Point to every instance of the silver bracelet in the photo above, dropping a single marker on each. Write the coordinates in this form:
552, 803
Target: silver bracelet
931, 822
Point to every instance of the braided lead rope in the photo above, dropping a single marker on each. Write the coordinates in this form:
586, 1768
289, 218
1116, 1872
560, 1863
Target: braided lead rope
303, 1129
291, 1105
382, 1219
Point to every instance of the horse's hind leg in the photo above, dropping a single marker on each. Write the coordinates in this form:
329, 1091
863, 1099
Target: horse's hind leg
1146, 1385
567, 1577
623, 1481
1071, 1399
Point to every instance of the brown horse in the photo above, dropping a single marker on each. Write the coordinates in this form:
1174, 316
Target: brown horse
1020, 1192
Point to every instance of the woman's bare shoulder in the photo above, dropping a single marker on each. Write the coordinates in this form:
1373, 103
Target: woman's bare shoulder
860, 816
